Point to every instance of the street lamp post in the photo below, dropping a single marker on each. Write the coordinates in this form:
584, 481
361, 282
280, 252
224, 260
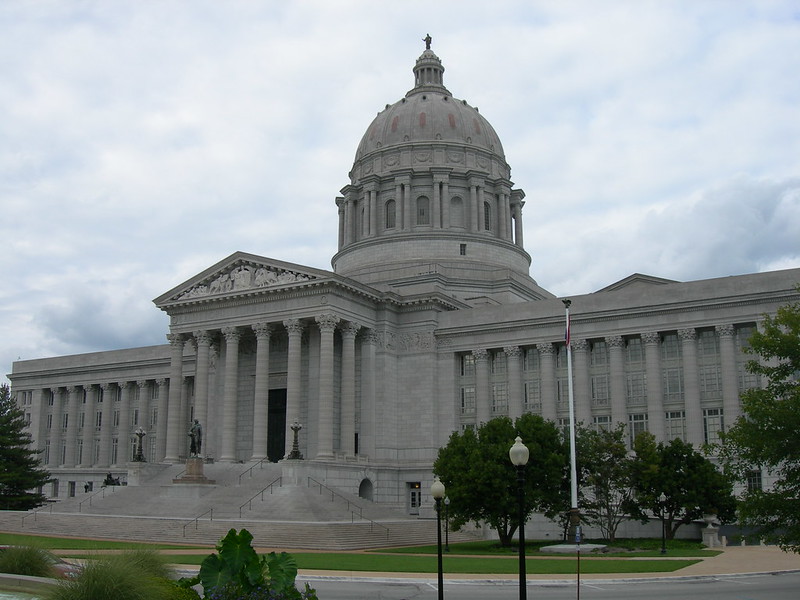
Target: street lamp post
663, 501
437, 491
519, 458
446, 524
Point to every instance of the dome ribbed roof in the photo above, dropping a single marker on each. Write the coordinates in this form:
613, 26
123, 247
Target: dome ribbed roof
429, 113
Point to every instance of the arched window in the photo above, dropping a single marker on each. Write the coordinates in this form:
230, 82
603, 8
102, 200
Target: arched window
487, 216
423, 211
457, 213
365, 489
389, 217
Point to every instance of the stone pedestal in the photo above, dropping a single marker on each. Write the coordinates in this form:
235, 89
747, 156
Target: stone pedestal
194, 472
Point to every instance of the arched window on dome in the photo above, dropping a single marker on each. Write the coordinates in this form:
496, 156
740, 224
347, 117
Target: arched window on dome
423, 211
457, 216
390, 214
487, 216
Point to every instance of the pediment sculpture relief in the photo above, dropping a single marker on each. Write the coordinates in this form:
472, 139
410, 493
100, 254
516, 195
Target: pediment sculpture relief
242, 277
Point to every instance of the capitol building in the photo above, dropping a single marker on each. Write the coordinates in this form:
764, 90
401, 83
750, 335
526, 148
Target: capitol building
428, 322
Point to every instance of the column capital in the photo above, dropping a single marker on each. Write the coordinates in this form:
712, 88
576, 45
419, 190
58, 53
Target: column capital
123, 384
725, 330
327, 321
141, 382
350, 328
579, 345
162, 381
262, 330
231, 334
293, 325
72, 389
546, 348
105, 386
514, 351
202, 337
370, 336
175, 339
651, 337
687, 335
480, 354
615, 341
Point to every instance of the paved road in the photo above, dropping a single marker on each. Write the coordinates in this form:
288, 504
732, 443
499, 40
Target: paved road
781, 586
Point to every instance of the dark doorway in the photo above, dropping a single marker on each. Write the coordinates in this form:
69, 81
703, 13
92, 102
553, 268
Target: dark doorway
276, 428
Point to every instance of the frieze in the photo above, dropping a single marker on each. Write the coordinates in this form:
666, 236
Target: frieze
243, 277
455, 157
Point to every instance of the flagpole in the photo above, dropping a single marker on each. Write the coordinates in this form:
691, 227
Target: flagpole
574, 513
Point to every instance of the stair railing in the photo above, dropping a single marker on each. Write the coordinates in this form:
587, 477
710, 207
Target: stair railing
102, 491
334, 494
197, 518
34, 512
249, 503
250, 470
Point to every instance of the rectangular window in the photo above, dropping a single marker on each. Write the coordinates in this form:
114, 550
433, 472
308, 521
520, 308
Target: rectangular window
98, 420
51, 398
154, 391
154, 417
707, 343
462, 249
601, 422
600, 390
637, 388
49, 421
563, 391
116, 418
710, 382
135, 417
114, 450
637, 424
499, 399
713, 424
676, 424
468, 400
754, 482
65, 422
599, 355
531, 360
81, 420
673, 385
46, 457
533, 396
467, 365
498, 363
670, 347
563, 425
633, 351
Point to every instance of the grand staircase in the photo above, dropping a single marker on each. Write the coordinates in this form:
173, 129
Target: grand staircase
280, 513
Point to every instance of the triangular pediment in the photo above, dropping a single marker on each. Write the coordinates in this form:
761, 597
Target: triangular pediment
637, 280
241, 273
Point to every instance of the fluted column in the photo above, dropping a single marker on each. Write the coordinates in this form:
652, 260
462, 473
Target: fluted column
203, 341
294, 328
617, 386
373, 213
473, 207
348, 220
124, 431
366, 437
445, 205
229, 396
340, 206
483, 411
518, 225
691, 387
408, 206
263, 332
547, 363
348, 420
144, 406
514, 374
730, 384
583, 389
87, 435
327, 325
655, 386
71, 437
56, 438
170, 419
436, 209
160, 421
398, 205
106, 423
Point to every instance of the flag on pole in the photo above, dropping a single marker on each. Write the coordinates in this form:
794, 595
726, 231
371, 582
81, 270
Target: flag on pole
566, 333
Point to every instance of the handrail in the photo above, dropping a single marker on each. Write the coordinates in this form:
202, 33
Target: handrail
250, 470
352, 512
249, 503
197, 518
34, 512
102, 491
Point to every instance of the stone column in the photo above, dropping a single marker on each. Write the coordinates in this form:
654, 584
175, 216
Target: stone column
71, 435
55, 430
366, 438
473, 207
87, 435
203, 341
106, 424
481, 193
547, 353
160, 424
445, 205
655, 386
229, 400
517, 209
293, 381
730, 383
691, 387
514, 374
327, 325
124, 431
348, 420
144, 408
398, 205
483, 411
408, 206
583, 389
348, 220
617, 385
263, 332
436, 209
170, 421
340, 207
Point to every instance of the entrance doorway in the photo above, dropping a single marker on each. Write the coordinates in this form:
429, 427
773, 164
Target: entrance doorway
414, 497
276, 427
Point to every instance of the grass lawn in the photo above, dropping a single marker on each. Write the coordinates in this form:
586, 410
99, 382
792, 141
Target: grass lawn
58, 543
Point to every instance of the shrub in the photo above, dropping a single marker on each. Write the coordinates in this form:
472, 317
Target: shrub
26, 560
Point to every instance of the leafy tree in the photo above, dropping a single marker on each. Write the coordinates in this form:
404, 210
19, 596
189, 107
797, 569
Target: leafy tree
766, 436
604, 473
20, 469
481, 482
691, 483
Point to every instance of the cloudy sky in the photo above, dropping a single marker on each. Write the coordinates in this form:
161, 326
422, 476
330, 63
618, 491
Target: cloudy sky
143, 141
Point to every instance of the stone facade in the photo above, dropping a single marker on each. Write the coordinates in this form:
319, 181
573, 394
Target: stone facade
428, 323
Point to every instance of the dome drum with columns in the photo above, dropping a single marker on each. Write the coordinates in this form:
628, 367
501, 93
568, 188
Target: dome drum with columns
428, 323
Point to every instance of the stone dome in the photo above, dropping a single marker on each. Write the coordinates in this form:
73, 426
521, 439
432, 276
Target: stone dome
429, 113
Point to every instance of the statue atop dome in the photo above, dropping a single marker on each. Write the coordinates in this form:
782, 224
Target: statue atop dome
427, 39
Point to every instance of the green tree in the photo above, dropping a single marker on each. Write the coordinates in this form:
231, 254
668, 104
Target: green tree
604, 473
20, 469
481, 482
766, 436
690, 482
